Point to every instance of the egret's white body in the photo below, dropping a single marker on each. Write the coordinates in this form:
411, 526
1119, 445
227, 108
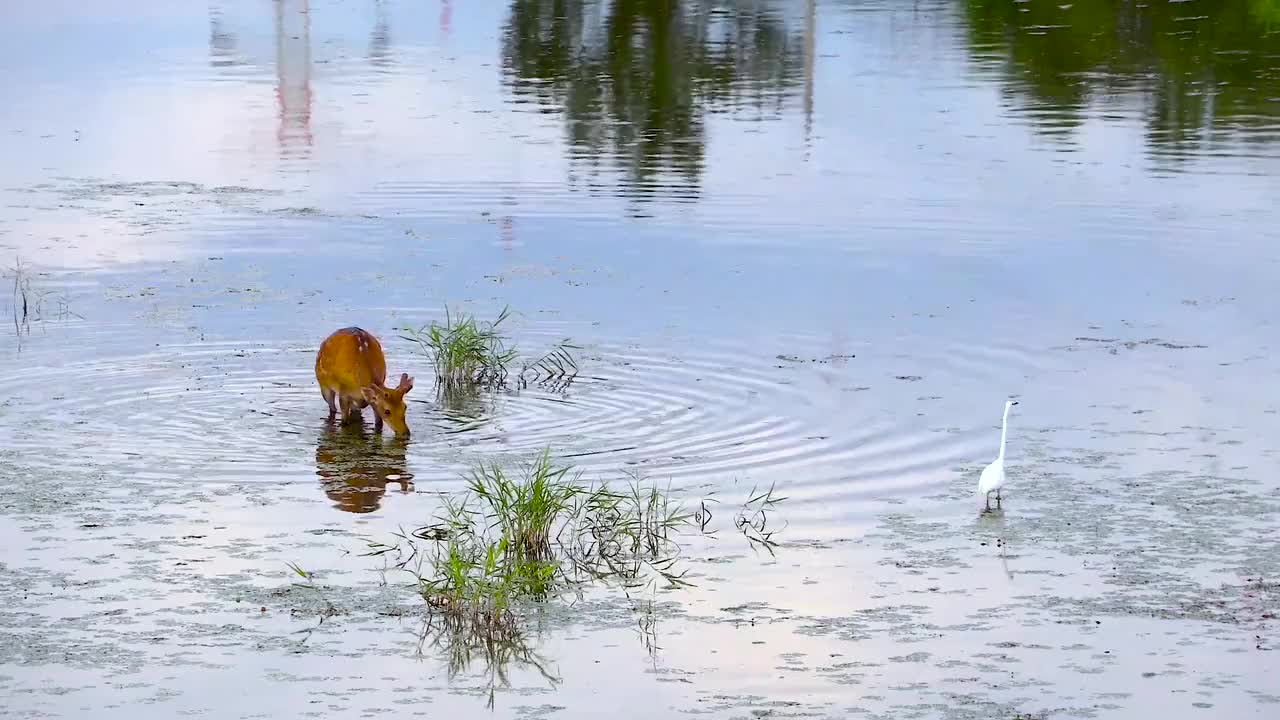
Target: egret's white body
992, 478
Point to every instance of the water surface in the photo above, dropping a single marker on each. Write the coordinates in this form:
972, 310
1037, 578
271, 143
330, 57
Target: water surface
812, 245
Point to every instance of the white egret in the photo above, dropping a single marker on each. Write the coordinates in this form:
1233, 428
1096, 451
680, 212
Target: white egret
993, 475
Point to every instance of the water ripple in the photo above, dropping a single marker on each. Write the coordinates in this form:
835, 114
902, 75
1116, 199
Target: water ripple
244, 411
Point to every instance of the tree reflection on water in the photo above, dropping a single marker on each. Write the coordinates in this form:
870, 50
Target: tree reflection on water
635, 79
1200, 72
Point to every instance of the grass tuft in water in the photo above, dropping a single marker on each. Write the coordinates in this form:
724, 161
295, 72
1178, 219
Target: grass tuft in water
526, 509
530, 533
470, 355
627, 535
555, 370
752, 519
465, 352
32, 305
329, 608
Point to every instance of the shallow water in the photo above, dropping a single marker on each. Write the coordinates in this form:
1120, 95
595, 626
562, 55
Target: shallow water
807, 245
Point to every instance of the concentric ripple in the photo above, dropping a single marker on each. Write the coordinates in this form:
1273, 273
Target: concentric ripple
833, 430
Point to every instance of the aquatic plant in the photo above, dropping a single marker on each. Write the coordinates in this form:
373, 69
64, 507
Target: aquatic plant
22, 298
626, 535
525, 509
524, 534
541, 531
752, 519
29, 304
473, 579
554, 370
534, 533
465, 351
297, 570
469, 354
310, 585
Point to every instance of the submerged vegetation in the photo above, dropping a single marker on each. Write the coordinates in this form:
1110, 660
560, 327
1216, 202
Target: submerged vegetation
29, 304
470, 354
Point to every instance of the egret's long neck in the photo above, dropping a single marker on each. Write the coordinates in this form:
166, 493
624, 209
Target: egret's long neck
1004, 431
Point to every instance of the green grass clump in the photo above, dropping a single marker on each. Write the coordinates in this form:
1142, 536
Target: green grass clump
474, 581
465, 351
534, 531
493, 546
469, 355
529, 533
526, 509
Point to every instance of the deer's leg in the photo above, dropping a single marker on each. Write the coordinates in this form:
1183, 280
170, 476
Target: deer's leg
350, 410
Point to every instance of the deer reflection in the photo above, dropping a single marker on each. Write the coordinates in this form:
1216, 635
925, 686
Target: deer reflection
355, 467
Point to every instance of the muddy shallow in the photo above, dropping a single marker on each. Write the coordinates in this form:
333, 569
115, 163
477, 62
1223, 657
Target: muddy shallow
199, 195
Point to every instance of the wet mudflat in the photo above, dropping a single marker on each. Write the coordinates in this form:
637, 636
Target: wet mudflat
805, 245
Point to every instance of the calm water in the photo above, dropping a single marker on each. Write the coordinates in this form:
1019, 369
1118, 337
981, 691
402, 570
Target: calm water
807, 244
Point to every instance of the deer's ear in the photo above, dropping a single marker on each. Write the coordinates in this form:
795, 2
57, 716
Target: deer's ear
406, 383
370, 393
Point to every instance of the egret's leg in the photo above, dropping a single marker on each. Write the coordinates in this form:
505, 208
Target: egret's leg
988, 499
998, 497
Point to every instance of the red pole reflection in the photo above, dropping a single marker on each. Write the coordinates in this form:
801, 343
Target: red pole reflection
293, 71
